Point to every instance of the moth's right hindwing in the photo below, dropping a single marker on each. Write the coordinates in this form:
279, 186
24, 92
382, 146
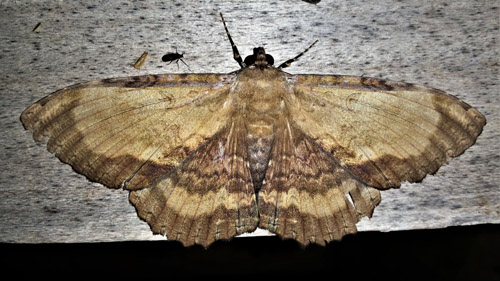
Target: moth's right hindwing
305, 195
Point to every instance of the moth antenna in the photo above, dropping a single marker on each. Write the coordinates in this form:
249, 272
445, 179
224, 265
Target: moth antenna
289, 62
236, 54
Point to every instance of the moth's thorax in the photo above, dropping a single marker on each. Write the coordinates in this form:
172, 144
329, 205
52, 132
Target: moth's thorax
259, 93
258, 96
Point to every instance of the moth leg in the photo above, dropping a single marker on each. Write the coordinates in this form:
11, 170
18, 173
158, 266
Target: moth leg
289, 62
236, 53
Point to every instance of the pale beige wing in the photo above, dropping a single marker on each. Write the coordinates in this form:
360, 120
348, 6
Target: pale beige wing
383, 132
209, 196
307, 195
131, 130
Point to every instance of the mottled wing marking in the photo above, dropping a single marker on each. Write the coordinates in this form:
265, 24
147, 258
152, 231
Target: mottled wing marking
210, 196
383, 132
131, 130
305, 193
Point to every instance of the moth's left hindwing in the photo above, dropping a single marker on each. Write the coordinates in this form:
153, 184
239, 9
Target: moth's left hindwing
210, 196
131, 130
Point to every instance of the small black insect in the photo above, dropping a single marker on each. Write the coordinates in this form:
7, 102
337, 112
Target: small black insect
170, 57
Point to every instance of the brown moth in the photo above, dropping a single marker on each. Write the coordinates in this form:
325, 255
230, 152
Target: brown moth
210, 156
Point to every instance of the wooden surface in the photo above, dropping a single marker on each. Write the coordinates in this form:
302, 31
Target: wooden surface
452, 46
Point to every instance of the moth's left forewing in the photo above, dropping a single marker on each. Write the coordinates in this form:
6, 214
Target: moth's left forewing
383, 132
131, 130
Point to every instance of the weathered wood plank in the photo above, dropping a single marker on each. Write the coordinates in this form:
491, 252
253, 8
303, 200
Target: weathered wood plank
450, 46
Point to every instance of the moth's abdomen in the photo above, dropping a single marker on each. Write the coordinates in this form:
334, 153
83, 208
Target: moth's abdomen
258, 152
260, 133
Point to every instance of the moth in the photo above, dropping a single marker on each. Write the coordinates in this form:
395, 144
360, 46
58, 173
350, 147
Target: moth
170, 57
141, 60
210, 156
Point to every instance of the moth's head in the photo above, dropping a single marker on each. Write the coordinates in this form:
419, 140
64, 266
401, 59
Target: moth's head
259, 58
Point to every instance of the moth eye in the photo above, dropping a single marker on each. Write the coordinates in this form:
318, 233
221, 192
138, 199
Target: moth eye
269, 59
250, 60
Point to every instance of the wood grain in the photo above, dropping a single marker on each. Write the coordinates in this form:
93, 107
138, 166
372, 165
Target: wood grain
449, 46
